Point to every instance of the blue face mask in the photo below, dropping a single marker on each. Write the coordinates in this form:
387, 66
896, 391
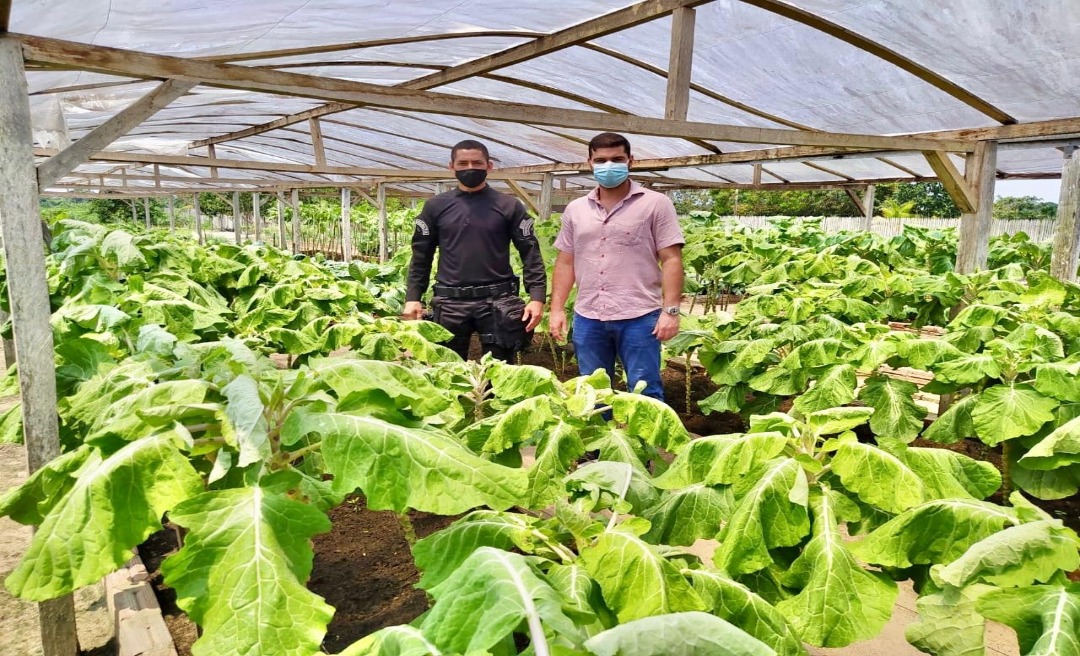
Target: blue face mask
611, 174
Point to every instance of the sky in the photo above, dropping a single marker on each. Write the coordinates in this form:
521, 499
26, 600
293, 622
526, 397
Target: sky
1044, 189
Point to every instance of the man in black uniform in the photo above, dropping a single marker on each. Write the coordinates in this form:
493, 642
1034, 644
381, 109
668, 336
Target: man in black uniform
475, 288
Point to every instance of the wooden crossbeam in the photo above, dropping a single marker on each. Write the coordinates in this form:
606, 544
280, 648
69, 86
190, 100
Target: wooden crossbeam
524, 196
861, 42
317, 142
856, 200
182, 160
97, 139
126, 62
953, 181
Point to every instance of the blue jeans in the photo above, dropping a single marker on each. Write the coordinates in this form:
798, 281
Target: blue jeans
596, 343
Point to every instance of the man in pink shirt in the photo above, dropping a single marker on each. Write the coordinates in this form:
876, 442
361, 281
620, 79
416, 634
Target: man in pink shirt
622, 245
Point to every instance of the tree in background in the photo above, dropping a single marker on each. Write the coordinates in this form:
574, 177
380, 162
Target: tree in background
894, 209
1024, 207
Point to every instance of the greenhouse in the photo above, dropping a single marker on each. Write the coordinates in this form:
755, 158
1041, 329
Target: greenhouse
215, 414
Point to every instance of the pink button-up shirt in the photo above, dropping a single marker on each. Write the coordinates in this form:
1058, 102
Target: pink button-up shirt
616, 265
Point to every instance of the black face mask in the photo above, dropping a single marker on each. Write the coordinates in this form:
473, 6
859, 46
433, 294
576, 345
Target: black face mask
471, 178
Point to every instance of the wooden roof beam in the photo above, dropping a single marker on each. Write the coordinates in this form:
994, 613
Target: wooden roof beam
127, 62
680, 63
97, 139
861, 42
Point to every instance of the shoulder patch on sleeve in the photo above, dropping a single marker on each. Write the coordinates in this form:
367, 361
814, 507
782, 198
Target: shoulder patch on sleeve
527, 226
422, 227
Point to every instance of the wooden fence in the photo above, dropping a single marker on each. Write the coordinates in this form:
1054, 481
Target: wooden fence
1038, 230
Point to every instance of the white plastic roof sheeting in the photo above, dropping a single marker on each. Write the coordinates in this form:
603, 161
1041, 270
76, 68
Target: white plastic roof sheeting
1018, 55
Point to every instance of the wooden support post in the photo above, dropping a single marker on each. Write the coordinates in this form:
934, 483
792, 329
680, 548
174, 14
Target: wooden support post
546, 191
172, 213
198, 219
297, 237
157, 176
211, 152
238, 228
281, 219
757, 175
974, 239
1063, 261
856, 200
959, 187
146, 212
28, 293
346, 225
868, 208
317, 142
256, 215
383, 223
134, 211
680, 63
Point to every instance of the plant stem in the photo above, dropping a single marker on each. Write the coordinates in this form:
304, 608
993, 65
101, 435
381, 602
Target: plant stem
293, 456
407, 529
1006, 471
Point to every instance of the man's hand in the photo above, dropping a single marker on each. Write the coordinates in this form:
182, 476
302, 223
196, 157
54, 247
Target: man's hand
534, 312
557, 324
667, 326
414, 310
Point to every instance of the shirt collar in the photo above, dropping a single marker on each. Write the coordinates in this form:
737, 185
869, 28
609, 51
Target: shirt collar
635, 190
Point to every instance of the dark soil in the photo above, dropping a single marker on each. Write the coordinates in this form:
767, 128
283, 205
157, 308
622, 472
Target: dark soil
364, 569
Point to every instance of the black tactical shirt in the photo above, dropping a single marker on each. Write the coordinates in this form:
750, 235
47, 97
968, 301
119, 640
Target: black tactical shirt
473, 231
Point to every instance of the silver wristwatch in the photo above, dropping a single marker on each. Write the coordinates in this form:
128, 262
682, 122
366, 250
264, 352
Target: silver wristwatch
672, 310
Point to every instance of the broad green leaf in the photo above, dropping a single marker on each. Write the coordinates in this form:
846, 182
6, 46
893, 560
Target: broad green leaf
948, 623
620, 480
635, 580
487, 598
511, 382
873, 353
815, 353
1013, 410
739, 605
132, 417
650, 420
878, 477
839, 602
116, 502
156, 340
520, 422
1046, 618
393, 641
616, 446
556, 452
978, 314
677, 634
1058, 380
896, 414
775, 422
1058, 449
1044, 290
834, 387
771, 513
781, 381
11, 428
1059, 483
1037, 342
32, 501
1016, 556
408, 387
242, 571
399, 468
582, 599
968, 369
924, 353
935, 532
439, 554
119, 246
685, 515
720, 459
837, 420
947, 474
955, 424
728, 398
243, 423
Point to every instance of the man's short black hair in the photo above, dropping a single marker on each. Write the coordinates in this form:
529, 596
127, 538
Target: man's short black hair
469, 144
609, 140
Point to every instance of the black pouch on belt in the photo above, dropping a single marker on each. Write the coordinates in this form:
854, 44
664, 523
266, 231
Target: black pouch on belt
509, 328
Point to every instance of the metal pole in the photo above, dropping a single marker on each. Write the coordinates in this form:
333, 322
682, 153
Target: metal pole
297, 238
238, 228
198, 220
383, 224
346, 225
256, 214
281, 219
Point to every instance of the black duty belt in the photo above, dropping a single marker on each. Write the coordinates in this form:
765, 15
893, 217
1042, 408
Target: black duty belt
478, 291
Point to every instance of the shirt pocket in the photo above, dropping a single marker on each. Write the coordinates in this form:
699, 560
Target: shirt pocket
627, 234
